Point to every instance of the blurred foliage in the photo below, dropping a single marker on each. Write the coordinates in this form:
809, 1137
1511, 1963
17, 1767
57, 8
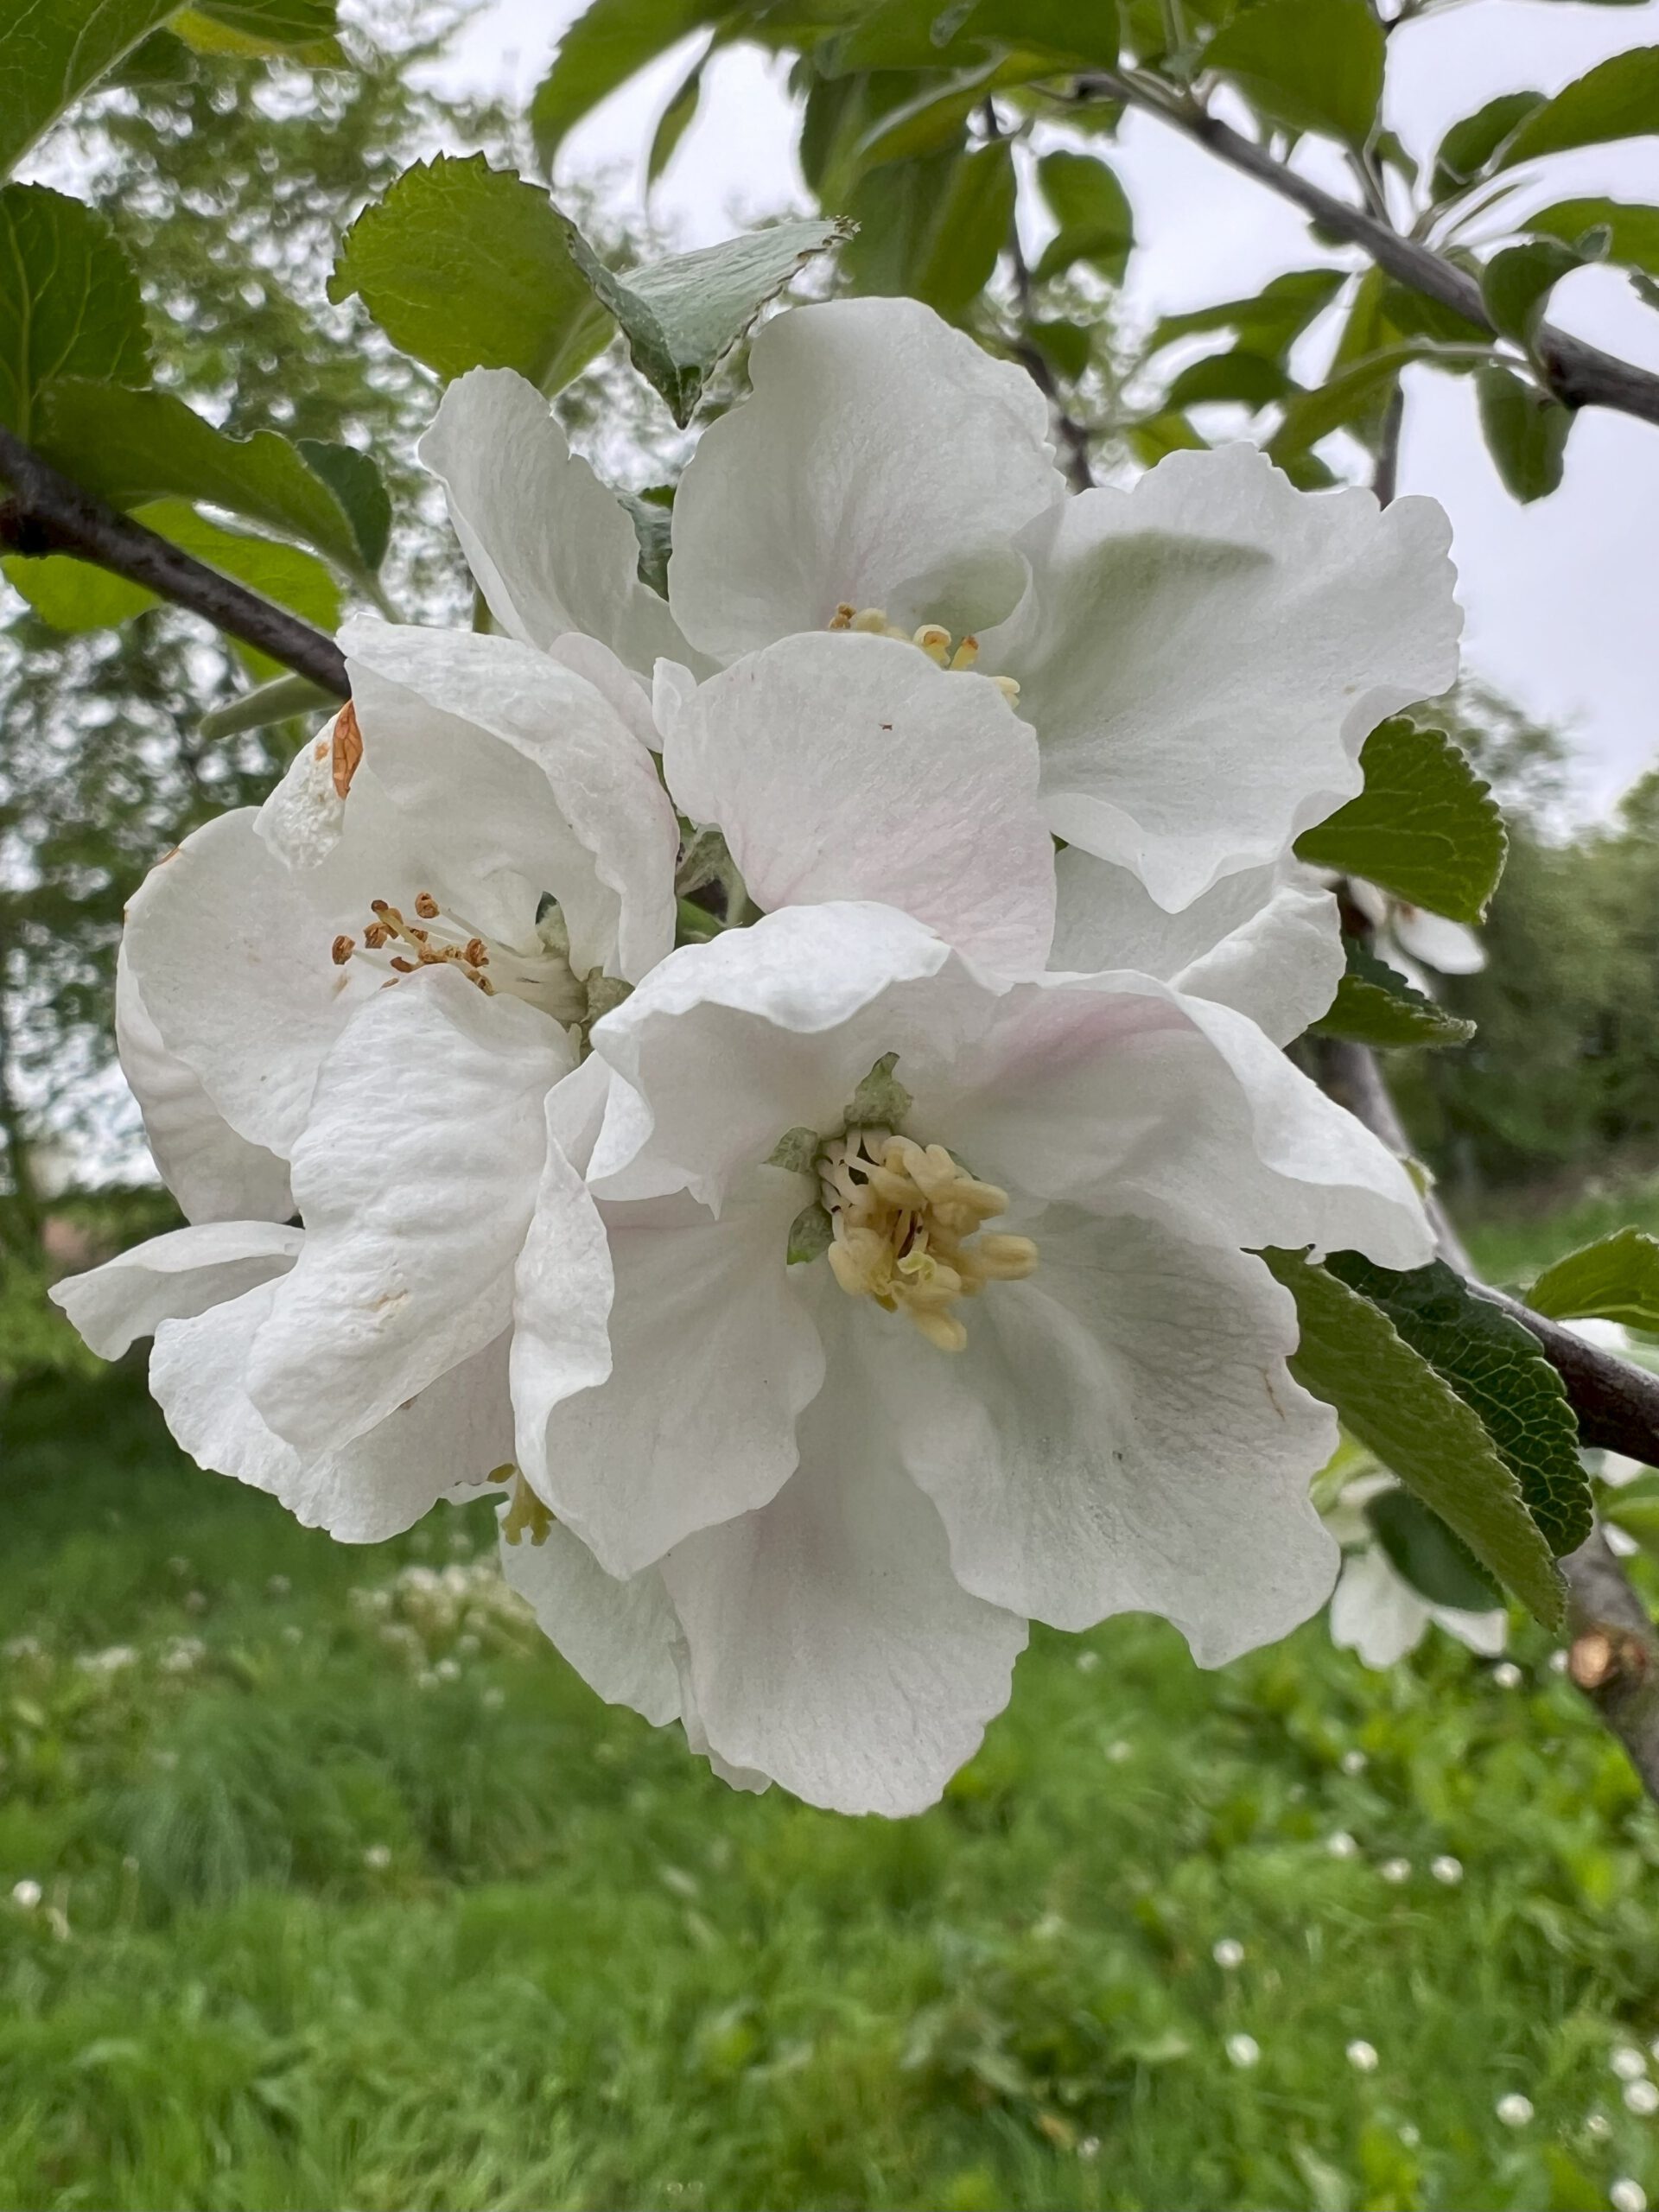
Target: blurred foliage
351, 1893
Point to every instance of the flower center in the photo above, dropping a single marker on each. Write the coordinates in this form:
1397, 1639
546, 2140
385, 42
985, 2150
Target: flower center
933, 638
401, 946
908, 1225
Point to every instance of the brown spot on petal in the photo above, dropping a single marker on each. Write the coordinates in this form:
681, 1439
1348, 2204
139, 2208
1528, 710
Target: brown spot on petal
347, 748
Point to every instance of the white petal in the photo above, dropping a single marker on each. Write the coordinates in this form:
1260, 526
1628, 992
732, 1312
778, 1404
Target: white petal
1446, 946
533, 777
620, 688
619, 1637
732, 1043
1116, 1093
417, 1176
714, 1359
829, 1646
457, 1432
551, 550
1486, 1633
852, 767
214, 1174
1375, 1611
1203, 655
562, 1293
181, 1274
883, 458
231, 949
1122, 1435
304, 819
1267, 941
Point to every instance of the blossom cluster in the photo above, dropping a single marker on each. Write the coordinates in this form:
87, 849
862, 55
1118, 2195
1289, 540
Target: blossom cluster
786, 1080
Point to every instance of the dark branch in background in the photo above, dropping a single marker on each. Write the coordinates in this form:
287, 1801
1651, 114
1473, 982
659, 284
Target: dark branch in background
1577, 374
48, 513
1614, 1656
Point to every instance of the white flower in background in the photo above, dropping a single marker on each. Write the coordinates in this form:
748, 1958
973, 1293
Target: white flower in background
1375, 1611
357, 1002
1409, 937
1202, 657
830, 1522
1514, 2110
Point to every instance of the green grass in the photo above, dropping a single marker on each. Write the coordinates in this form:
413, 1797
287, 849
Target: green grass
354, 1895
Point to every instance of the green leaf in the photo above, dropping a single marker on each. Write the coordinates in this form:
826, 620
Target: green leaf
1096, 224
602, 49
279, 701
926, 34
1468, 146
1237, 375
1619, 98
1149, 440
132, 447
653, 525
1516, 283
926, 124
1376, 1006
1425, 827
1615, 1279
1344, 399
69, 302
1402, 1409
466, 267
1526, 433
1632, 230
681, 317
1069, 346
303, 29
54, 51
676, 118
1494, 1364
811, 1234
933, 228
1437, 1565
1268, 322
1313, 65
356, 482
74, 596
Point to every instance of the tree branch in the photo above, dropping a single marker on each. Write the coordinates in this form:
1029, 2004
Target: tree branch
52, 514
1577, 374
1614, 1656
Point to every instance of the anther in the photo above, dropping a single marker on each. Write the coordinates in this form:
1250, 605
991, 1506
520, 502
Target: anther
842, 618
403, 967
376, 935
426, 905
935, 641
379, 906
344, 947
475, 952
966, 653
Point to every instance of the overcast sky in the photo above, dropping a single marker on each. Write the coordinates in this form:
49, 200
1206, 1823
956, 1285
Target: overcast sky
1560, 596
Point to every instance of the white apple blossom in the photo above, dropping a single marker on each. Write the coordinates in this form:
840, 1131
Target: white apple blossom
827, 1522
356, 1003
1375, 1611
1202, 656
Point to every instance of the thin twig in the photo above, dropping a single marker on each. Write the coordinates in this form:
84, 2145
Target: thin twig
49, 513
1577, 374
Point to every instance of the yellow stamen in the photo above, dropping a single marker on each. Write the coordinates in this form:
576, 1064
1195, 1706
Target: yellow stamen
933, 638
906, 1221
